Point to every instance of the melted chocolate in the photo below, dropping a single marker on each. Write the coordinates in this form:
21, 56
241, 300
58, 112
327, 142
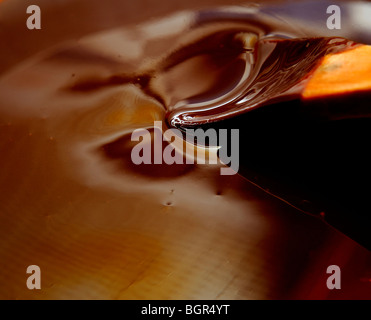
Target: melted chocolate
98, 226
279, 73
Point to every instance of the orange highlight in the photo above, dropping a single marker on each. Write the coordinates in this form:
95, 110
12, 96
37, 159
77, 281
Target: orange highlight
339, 73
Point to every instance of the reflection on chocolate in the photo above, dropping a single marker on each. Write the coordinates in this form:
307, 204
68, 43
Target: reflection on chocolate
100, 227
278, 73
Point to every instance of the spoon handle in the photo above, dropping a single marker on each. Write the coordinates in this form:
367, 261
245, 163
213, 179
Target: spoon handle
341, 73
